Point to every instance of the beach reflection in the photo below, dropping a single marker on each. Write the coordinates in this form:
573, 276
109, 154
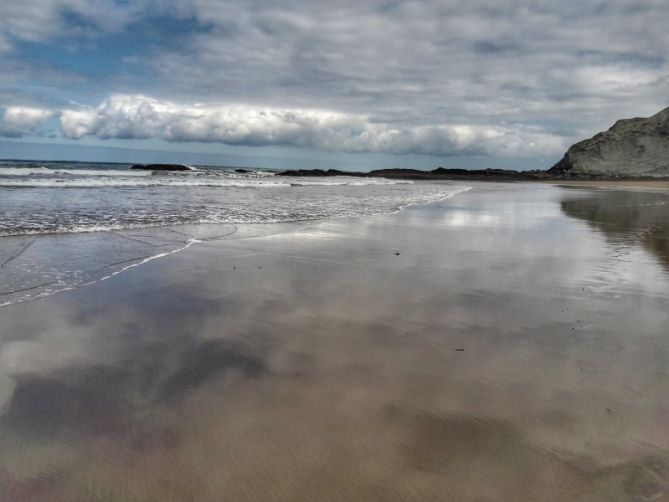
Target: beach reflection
503, 354
627, 218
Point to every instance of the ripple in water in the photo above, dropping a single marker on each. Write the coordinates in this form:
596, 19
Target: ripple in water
113, 208
37, 199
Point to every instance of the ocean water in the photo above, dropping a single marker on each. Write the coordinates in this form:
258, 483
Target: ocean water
57, 197
68, 225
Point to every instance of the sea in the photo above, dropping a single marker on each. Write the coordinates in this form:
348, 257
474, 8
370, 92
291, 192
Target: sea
68, 224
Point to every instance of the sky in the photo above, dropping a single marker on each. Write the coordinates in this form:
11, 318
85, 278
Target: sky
347, 84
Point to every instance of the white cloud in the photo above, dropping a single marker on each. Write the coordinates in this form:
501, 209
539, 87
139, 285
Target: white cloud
20, 120
141, 117
414, 76
615, 78
472, 62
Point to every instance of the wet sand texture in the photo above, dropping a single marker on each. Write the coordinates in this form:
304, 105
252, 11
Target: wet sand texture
515, 349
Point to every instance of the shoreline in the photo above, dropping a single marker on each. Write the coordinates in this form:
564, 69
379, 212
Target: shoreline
413, 341
156, 241
201, 232
494, 175
647, 184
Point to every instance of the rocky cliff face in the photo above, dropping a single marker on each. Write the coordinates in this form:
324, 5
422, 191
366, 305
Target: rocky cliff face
632, 148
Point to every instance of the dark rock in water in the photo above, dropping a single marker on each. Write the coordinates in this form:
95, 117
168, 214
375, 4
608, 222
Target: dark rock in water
303, 172
161, 167
337, 172
469, 174
443, 170
631, 148
395, 173
483, 173
319, 172
242, 171
439, 173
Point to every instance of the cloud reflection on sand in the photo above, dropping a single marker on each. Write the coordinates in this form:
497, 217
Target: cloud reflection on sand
483, 362
627, 218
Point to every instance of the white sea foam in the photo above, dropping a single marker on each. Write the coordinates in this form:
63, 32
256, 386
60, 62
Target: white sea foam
31, 271
188, 244
175, 181
35, 204
23, 171
102, 172
44, 171
91, 213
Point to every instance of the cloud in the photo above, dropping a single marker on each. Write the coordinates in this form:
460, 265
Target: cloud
417, 76
5, 46
142, 117
19, 120
420, 61
40, 20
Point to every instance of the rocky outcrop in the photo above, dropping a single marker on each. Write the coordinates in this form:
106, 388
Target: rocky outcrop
632, 148
162, 167
439, 173
320, 173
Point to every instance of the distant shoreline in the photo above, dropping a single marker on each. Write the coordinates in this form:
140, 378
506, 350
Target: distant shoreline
440, 173
473, 175
657, 184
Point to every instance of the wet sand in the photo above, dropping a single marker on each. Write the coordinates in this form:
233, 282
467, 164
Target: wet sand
622, 184
509, 343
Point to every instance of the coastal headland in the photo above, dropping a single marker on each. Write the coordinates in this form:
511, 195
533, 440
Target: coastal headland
632, 149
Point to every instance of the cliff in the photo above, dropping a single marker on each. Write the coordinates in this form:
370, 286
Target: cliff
632, 148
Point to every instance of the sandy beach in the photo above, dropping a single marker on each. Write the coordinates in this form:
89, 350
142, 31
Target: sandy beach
622, 184
507, 343
288, 251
